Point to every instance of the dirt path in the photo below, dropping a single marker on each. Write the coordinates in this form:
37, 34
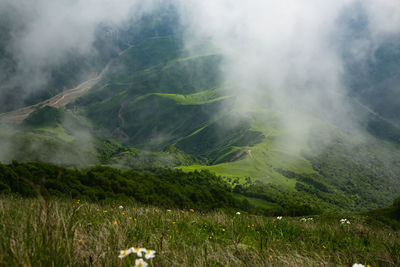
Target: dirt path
368, 109
59, 100
118, 132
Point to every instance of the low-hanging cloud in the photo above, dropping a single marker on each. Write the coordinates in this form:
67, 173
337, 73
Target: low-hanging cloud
285, 55
289, 54
44, 33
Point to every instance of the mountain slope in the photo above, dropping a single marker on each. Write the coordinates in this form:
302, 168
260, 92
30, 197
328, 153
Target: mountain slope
163, 103
159, 94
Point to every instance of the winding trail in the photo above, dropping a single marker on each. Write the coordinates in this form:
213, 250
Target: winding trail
118, 132
61, 99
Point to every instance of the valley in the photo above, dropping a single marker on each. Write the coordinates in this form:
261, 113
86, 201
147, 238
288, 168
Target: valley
182, 133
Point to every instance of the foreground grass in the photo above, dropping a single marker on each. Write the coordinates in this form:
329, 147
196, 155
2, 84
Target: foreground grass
75, 233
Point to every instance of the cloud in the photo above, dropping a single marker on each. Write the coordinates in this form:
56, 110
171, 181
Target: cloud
43, 34
283, 55
288, 55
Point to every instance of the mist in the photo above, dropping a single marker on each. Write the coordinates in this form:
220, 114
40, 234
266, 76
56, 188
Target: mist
288, 55
285, 56
38, 37
45, 34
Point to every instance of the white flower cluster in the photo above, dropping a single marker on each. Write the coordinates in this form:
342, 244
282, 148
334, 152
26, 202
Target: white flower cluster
358, 265
306, 219
238, 213
148, 254
344, 221
279, 218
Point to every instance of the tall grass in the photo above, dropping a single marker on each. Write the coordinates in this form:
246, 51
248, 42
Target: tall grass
73, 233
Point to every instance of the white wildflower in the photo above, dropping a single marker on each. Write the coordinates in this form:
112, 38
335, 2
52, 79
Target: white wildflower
138, 251
358, 265
149, 254
343, 221
120, 207
279, 217
140, 263
238, 213
124, 253
303, 219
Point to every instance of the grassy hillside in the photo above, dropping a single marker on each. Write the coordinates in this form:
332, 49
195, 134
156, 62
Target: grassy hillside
160, 104
49, 135
159, 94
76, 232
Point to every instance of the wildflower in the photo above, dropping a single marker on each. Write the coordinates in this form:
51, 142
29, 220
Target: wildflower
79, 241
303, 219
183, 212
343, 221
138, 251
120, 207
134, 219
279, 218
323, 246
115, 222
169, 210
248, 226
140, 263
124, 253
270, 256
191, 210
210, 237
238, 213
149, 254
130, 218
358, 265
104, 211
223, 229
123, 213
173, 222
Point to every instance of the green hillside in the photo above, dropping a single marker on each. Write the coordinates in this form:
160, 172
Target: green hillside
163, 104
158, 94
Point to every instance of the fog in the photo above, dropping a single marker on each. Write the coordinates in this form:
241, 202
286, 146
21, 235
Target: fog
44, 33
285, 55
288, 55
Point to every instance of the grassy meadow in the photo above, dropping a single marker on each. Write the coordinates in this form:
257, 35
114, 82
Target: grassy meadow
36, 232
